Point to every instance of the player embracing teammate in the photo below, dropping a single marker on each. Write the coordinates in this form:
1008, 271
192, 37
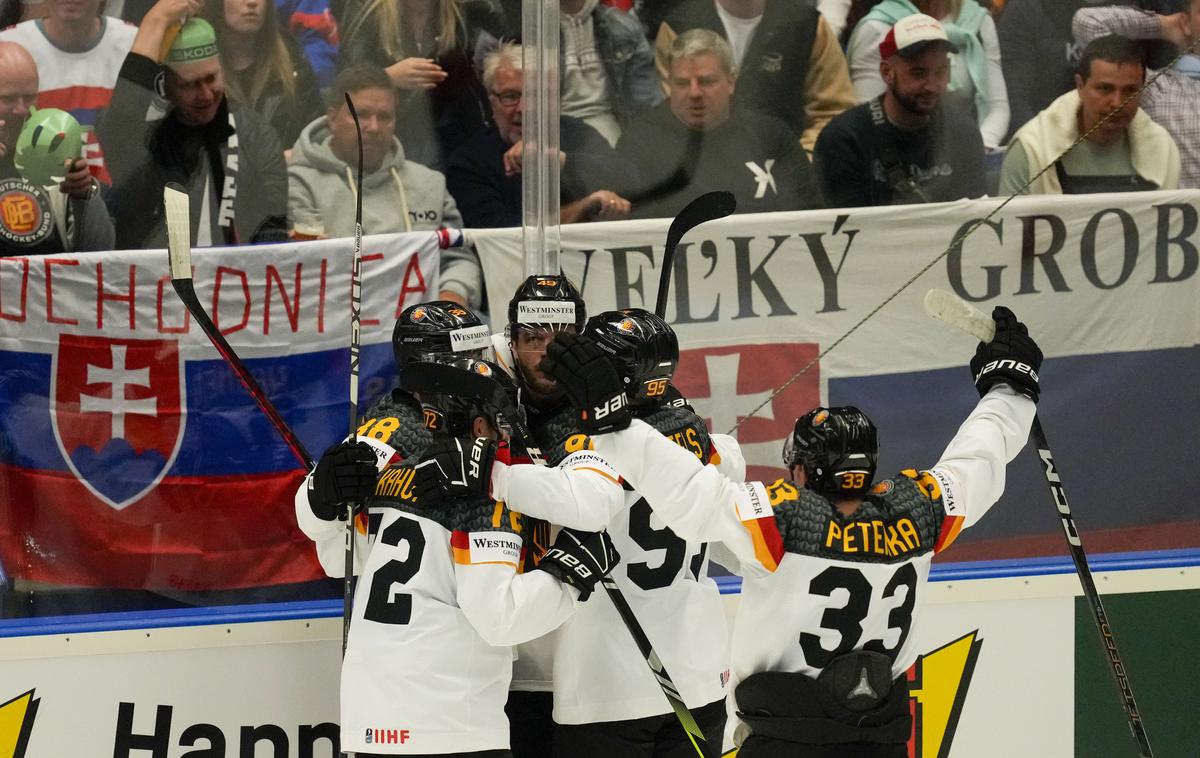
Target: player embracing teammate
835, 564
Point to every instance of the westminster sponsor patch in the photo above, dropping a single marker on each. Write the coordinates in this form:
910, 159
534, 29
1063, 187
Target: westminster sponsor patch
545, 312
470, 338
752, 501
474, 548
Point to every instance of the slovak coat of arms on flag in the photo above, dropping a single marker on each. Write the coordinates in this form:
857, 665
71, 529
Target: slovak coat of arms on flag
117, 412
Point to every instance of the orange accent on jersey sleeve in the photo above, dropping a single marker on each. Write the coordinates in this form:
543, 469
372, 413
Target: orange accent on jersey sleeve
768, 544
460, 544
715, 458
360, 522
604, 474
951, 526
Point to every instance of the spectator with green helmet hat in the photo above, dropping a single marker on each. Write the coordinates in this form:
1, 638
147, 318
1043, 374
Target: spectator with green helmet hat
38, 216
226, 156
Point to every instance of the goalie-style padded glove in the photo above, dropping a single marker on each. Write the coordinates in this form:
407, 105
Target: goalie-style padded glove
580, 559
1012, 357
453, 468
345, 474
588, 377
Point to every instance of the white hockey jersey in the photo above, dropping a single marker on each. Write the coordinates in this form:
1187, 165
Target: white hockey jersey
599, 673
79, 82
438, 606
818, 584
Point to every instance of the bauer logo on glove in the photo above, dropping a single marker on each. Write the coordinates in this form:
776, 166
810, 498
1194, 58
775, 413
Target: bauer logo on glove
612, 405
1008, 365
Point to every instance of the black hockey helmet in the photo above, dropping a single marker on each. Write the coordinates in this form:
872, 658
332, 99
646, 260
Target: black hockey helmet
838, 448
644, 348
439, 327
454, 413
546, 300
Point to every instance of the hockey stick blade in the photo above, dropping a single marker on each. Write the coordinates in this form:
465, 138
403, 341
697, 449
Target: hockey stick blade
179, 231
707, 207
952, 309
960, 314
179, 250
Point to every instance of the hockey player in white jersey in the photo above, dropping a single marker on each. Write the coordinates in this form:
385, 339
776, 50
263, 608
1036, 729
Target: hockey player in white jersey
607, 701
440, 599
395, 428
834, 566
440, 603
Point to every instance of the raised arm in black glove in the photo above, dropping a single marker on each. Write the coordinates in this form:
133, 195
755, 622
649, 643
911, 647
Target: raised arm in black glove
1012, 357
454, 467
586, 374
580, 559
345, 474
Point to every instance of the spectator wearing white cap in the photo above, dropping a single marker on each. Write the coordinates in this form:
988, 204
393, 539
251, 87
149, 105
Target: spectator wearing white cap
976, 76
903, 146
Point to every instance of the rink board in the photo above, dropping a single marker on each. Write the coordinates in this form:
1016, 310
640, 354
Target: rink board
1004, 661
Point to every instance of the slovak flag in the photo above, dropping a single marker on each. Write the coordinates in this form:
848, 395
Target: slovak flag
131, 457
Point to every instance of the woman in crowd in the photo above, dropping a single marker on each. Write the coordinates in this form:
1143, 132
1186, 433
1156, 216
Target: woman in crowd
265, 70
975, 73
428, 49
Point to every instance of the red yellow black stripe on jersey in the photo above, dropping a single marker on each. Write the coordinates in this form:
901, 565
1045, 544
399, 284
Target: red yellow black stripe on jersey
758, 518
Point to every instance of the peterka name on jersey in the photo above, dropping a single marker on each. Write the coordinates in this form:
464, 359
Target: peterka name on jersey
884, 538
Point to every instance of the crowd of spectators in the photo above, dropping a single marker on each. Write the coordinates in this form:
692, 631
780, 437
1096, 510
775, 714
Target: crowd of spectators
789, 104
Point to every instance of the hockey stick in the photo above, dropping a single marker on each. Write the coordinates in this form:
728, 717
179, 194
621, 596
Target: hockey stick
956, 312
707, 207
435, 377
355, 327
179, 250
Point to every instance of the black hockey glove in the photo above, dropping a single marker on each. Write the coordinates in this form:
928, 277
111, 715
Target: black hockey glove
453, 468
1012, 357
587, 375
675, 399
345, 474
580, 559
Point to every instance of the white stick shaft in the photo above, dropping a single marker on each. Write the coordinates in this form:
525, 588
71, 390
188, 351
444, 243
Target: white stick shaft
948, 307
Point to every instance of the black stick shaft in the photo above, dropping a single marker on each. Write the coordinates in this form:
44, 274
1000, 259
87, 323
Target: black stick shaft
1075, 545
355, 329
187, 293
686, 720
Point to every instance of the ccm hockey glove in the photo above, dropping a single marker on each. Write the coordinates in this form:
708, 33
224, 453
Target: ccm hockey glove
587, 375
580, 559
346, 473
1012, 357
454, 467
